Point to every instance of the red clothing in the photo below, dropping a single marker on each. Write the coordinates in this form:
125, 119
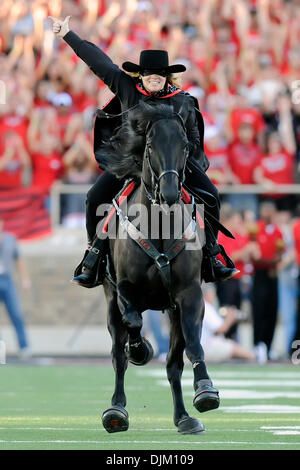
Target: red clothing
218, 160
38, 103
278, 168
249, 116
82, 101
14, 123
11, 177
243, 160
231, 246
270, 241
46, 170
296, 231
62, 123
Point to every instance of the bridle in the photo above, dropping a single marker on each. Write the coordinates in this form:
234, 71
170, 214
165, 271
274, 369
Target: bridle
156, 179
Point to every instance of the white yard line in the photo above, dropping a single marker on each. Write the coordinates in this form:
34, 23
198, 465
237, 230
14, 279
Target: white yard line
282, 430
240, 394
262, 409
279, 427
255, 383
79, 429
264, 374
239, 383
286, 433
193, 443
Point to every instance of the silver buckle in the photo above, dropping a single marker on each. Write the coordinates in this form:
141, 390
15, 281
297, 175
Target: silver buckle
164, 261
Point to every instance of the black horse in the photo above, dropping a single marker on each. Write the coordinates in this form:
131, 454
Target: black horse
152, 148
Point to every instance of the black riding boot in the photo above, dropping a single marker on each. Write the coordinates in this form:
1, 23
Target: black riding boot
91, 271
214, 270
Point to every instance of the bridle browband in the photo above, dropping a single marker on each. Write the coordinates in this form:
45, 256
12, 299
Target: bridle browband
156, 179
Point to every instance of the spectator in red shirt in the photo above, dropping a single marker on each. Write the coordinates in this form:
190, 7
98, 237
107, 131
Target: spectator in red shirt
42, 93
240, 250
14, 160
80, 168
217, 153
244, 156
47, 163
68, 123
45, 147
14, 122
270, 243
277, 166
243, 114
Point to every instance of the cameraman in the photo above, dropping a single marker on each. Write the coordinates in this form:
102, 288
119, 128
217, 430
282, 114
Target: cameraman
216, 347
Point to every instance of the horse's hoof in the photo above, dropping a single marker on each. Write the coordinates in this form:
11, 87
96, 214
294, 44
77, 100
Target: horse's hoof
189, 425
115, 419
140, 353
206, 397
132, 320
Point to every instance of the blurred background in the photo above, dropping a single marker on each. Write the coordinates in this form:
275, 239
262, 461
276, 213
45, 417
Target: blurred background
243, 66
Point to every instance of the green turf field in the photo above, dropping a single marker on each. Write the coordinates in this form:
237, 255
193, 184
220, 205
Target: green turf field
59, 407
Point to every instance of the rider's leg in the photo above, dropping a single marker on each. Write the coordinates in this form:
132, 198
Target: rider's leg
93, 264
103, 191
213, 270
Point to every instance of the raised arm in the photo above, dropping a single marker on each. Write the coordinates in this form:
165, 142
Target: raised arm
102, 66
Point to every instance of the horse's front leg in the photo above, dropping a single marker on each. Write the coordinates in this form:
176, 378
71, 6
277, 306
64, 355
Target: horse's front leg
139, 350
192, 312
185, 424
131, 317
115, 419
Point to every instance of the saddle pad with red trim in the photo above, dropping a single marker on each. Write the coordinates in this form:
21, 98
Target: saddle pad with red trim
185, 196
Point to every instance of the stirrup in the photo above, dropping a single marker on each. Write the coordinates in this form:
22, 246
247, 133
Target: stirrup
95, 261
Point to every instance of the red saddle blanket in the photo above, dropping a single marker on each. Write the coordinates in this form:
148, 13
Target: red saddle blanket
185, 196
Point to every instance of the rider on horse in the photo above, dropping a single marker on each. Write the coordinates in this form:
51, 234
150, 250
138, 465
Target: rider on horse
152, 81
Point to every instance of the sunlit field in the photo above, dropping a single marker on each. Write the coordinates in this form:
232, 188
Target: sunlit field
60, 407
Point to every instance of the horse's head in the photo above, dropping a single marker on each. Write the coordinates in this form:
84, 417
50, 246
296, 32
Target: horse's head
166, 151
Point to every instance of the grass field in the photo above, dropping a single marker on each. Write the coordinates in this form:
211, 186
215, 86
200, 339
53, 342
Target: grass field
59, 407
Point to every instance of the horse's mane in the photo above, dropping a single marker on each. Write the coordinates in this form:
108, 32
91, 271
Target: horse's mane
123, 154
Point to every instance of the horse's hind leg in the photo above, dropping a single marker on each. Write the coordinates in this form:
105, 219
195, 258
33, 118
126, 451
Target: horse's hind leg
192, 312
185, 424
115, 419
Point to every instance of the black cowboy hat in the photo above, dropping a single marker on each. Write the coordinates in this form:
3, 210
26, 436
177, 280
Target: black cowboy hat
156, 60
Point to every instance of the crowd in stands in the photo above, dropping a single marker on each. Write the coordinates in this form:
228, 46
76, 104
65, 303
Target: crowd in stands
243, 66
